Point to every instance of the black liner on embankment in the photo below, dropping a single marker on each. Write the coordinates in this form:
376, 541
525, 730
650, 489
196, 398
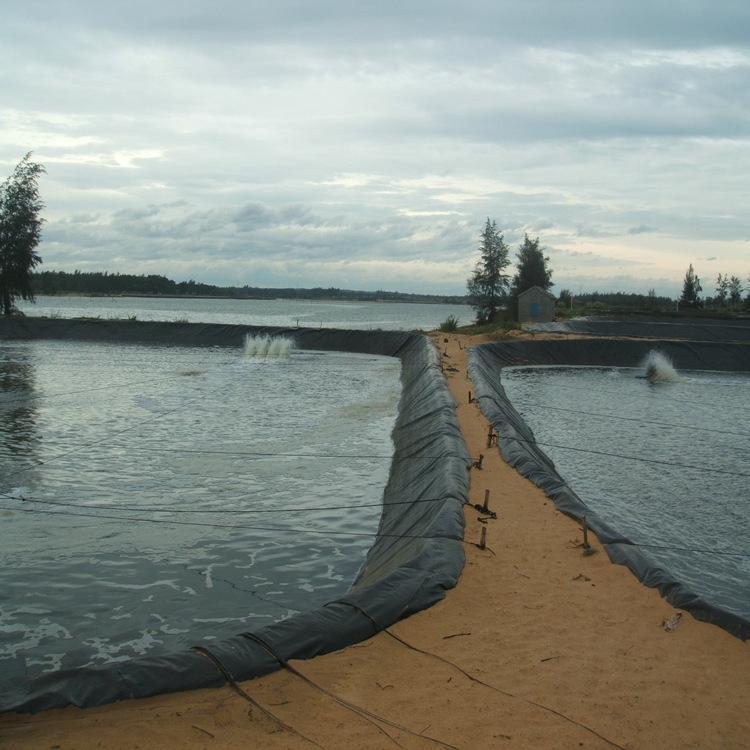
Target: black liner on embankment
417, 554
519, 449
644, 327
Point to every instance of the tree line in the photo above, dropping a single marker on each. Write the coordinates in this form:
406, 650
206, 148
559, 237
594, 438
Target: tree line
610, 300
109, 284
494, 293
729, 290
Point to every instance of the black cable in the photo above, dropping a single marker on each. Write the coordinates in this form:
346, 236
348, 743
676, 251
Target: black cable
703, 407
476, 679
660, 462
234, 527
118, 386
183, 403
235, 511
296, 530
251, 453
621, 418
373, 718
242, 453
695, 550
120, 432
228, 677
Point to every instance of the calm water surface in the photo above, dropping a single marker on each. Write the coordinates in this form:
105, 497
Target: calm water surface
387, 316
665, 464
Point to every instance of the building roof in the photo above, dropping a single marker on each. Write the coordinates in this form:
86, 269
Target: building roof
538, 289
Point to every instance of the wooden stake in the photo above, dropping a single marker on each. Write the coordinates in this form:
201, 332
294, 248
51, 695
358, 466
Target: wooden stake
489, 436
586, 544
486, 499
483, 540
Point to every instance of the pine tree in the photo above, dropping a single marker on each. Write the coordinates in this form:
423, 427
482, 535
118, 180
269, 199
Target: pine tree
691, 288
722, 289
20, 232
489, 283
735, 290
531, 270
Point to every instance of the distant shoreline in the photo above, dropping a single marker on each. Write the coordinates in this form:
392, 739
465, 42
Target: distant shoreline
104, 284
407, 299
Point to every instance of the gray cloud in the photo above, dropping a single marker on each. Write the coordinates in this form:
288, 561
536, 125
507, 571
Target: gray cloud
368, 142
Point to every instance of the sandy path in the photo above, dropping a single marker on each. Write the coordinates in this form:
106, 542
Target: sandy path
561, 651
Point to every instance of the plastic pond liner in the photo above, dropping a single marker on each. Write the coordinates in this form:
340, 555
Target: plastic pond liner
729, 329
416, 556
518, 447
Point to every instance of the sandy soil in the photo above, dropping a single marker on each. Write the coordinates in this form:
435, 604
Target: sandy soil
538, 646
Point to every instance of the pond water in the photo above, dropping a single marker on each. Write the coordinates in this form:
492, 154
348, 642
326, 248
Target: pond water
156, 497
664, 463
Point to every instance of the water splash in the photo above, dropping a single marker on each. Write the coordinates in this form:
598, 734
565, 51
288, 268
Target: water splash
268, 347
659, 368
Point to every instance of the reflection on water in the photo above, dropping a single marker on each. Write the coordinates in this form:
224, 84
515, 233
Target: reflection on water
18, 436
176, 495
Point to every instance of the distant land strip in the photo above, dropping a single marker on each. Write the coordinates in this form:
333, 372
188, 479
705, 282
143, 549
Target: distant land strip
102, 283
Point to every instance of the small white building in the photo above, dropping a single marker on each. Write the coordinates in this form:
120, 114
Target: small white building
536, 305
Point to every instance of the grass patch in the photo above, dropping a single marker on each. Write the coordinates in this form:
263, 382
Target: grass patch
500, 326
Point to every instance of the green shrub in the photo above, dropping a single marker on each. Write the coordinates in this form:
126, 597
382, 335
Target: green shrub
449, 325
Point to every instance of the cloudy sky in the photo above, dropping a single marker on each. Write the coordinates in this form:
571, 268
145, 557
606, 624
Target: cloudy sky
363, 144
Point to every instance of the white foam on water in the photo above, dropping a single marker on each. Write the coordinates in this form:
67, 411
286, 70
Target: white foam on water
659, 368
268, 347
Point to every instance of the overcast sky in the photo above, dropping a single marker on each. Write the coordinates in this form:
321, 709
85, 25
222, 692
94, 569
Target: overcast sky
362, 145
